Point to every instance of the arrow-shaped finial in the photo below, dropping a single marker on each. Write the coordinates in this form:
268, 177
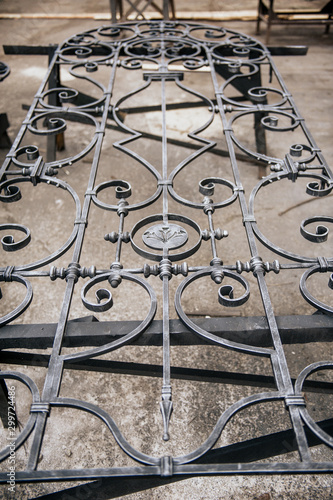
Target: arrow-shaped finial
166, 407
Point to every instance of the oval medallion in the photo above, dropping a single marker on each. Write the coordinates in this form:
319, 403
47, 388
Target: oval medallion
165, 236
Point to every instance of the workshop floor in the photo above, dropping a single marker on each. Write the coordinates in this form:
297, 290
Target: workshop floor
310, 79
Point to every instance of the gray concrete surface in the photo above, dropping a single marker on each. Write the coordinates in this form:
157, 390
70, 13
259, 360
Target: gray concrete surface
197, 405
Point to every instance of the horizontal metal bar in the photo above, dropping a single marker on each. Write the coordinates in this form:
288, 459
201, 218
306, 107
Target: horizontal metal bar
29, 50
168, 107
33, 476
40, 50
288, 50
193, 469
44, 50
250, 450
268, 468
253, 331
293, 20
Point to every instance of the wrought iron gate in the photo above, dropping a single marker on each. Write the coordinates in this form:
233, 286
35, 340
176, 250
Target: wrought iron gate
124, 82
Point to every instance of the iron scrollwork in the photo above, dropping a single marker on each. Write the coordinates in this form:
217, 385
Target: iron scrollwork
163, 53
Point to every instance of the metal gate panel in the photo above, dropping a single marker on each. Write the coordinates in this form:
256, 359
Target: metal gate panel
120, 279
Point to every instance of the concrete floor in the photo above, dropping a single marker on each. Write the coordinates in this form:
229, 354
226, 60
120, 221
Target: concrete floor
310, 80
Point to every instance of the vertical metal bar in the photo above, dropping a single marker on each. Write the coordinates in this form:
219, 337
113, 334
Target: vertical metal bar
164, 153
120, 241
212, 234
55, 369
37, 441
166, 403
279, 363
54, 82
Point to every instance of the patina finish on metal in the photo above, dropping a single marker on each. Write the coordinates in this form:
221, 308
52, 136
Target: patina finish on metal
162, 230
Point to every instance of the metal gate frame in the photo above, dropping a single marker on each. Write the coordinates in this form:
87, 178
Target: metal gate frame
165, 241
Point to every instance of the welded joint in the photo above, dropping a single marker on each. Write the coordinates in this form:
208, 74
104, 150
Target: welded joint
166, 467
40, 408
167, 182
81, 220
325, 264
249, 218
7, 274
294, 400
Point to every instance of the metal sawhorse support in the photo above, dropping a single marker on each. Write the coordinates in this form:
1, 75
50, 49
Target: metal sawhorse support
138, 7
269, 15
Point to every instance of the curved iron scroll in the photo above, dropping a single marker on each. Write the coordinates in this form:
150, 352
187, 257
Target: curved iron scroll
150, 55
